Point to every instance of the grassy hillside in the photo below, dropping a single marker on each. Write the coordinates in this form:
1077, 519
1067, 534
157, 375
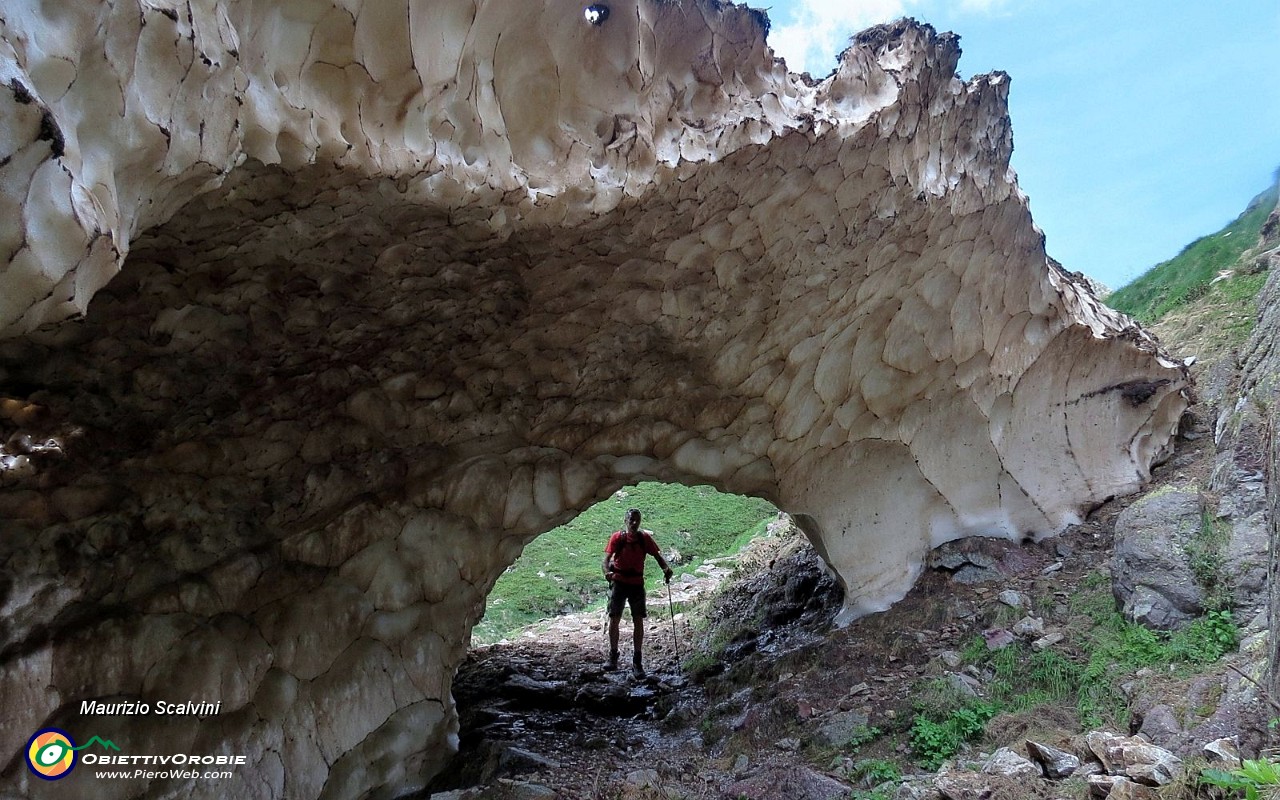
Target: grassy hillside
560, 572
1187, 276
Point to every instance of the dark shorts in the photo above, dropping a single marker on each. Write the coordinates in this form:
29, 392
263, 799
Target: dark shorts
623, 593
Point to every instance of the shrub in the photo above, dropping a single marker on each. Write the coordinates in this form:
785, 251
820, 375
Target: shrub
875, 771
861, 735
936, 740
1205, 640
1250, 780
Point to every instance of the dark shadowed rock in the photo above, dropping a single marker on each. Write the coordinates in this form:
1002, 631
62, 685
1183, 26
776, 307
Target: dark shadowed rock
1056, 764
1160, 725
793, 783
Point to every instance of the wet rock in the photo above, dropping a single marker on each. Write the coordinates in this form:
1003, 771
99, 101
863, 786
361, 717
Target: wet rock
481, 762
1056, 764
532, 692
613, 699
520, 790
457, 794
515, 759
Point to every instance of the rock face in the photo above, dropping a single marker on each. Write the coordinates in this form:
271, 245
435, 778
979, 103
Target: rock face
1152, 577
402, 286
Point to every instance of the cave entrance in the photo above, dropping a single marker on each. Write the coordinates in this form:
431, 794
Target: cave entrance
558, 574
535, 700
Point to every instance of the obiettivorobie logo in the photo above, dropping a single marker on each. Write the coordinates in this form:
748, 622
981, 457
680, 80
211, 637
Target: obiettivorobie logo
51, 754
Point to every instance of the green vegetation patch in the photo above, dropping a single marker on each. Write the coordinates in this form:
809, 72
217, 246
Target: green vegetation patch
1105, 651
559, 572
1206, 555
1186, 277
1253, 779
1118, 648
1026, 678
937, 735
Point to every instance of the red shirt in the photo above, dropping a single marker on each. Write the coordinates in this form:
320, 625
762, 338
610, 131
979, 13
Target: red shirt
628, 556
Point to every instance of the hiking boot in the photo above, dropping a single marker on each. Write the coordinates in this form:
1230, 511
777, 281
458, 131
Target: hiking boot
636, 669
613, 661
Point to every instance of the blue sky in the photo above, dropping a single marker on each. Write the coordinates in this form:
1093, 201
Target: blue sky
1138, 126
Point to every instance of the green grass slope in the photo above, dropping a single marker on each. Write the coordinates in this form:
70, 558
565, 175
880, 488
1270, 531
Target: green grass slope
1186, 277
559, 571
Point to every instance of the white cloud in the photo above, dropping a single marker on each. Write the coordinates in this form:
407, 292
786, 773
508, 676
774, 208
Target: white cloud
819, 29
815, 31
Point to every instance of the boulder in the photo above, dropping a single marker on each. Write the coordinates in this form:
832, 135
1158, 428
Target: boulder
1150, 572
838, 729
1224, 752
1029, 628
1008, 764
1134, 758
1159, 725
1123, 789
793, 782
1055, 763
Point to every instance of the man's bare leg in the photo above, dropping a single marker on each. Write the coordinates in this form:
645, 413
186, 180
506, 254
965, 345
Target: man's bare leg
639, 644
613, 641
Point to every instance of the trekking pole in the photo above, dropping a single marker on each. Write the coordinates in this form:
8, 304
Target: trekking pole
675, 640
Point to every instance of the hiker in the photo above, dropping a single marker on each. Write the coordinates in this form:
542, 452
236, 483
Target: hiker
624, 568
